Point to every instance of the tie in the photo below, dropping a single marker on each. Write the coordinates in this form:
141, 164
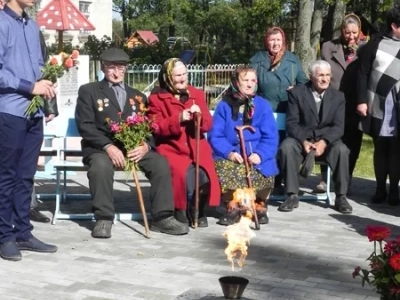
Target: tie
120, 94
319, 103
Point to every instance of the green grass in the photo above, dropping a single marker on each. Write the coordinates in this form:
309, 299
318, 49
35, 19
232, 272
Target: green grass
364, 167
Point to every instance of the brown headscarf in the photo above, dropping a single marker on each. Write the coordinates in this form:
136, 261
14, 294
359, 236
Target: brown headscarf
166, 82
275, 58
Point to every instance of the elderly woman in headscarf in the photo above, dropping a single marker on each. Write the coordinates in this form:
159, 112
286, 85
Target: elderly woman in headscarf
278, 70
240, 106
173, 106
341, 54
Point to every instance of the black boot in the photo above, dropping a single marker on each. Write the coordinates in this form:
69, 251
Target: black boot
230, 217
169, 225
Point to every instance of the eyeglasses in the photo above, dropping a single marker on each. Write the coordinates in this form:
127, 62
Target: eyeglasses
120, 68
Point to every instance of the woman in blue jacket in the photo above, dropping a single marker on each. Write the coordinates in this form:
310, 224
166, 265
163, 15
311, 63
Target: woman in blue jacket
240, 106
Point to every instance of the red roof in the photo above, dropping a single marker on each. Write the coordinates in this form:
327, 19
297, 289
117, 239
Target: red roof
147, 36
63, 15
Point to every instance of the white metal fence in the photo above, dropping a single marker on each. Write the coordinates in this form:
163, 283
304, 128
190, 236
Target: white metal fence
213, 79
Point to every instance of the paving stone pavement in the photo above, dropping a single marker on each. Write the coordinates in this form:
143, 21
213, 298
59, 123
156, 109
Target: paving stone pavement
307, 254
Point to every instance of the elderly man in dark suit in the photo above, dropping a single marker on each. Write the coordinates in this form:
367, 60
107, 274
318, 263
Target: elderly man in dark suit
111, 98
315, 123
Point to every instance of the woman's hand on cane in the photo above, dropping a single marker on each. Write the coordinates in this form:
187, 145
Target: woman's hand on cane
235, 157
254, 159
195, 109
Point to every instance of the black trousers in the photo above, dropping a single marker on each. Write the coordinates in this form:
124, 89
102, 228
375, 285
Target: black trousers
101, 179
387, 162
291, 155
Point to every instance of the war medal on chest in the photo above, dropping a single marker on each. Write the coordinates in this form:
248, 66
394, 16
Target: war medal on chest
100, 104
106, 102
133, 106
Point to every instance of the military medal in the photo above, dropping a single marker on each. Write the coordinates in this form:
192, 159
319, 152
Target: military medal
100, 104
241, 109
106, 102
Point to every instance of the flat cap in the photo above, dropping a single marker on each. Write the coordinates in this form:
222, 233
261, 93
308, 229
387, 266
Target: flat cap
114, 55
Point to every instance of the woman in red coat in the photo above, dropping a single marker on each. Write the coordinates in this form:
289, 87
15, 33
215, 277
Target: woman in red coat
173, 104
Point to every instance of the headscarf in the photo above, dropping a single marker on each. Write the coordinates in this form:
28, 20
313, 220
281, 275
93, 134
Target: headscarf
166, 82
350, 50
235, 98
275, 58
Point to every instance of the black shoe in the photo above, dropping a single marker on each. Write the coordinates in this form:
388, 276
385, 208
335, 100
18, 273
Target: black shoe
202, 220
262, 217
10, 251
230, 218
290, 203
393, 198
102, 229
170, 226
33, 244
379, 197
342, 205
37, 216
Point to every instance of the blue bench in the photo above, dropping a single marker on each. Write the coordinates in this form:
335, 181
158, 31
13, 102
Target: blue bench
62, 167
281, 125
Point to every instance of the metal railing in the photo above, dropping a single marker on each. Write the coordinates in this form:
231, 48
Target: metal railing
213, 79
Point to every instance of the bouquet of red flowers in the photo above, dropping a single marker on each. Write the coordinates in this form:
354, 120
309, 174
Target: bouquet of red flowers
52, 71
384, 264
132, 133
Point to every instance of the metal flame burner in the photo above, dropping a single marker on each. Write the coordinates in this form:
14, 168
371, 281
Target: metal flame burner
233, 286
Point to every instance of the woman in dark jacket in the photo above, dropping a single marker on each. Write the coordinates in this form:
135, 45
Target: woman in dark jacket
341, 54
378, 86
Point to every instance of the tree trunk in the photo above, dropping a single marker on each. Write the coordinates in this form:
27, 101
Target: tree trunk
316, 25
303, 34
338, 16
125, 20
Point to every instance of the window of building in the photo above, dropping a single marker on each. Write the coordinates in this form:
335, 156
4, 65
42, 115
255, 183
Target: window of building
84, 7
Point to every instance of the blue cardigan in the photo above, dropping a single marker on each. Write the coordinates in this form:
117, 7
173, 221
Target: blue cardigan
224, 138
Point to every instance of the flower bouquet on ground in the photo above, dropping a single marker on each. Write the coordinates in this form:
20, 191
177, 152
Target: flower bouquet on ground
384, 264
52, 71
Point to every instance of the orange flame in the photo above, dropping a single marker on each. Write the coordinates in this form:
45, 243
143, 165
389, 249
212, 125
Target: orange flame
239, 235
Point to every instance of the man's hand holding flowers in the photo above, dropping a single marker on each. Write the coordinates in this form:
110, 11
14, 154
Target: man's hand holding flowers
137, 154
44, 88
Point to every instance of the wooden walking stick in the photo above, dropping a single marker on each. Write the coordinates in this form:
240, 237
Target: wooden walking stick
141, 202
197, 124
240, 130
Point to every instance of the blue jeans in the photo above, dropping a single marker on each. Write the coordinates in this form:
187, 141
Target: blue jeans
20, 142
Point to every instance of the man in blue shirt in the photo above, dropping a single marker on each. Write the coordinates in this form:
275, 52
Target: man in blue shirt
21, 136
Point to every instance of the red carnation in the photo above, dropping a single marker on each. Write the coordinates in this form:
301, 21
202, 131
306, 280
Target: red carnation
394, 262
377, 233
69, 63
75, 54
53, 61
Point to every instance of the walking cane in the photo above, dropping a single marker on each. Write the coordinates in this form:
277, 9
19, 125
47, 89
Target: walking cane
240, 130
141, 202
197, 123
